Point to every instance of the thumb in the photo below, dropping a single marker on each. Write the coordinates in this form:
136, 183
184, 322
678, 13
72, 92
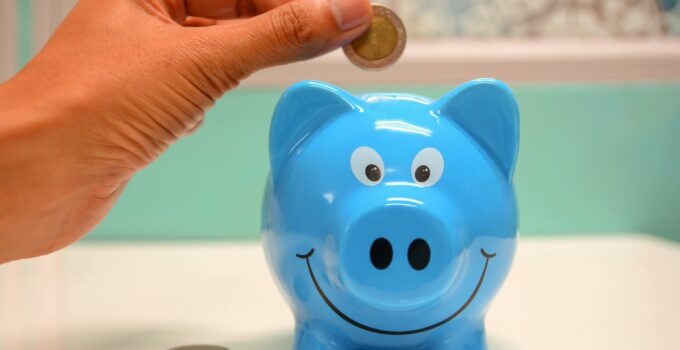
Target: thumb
297, 30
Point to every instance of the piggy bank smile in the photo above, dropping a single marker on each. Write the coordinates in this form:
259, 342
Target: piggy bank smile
389, 220
353, 322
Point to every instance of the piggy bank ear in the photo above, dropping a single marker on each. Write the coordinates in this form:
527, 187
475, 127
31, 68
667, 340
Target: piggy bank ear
302, 109
487, 111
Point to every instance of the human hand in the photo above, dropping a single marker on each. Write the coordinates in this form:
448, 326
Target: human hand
122, 80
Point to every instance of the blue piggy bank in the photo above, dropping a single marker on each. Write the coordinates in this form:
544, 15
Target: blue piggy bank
389, 220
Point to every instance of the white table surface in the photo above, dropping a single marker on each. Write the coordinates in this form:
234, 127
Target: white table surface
590, 292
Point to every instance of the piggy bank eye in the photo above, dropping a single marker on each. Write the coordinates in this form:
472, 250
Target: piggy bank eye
367, 166
427, 167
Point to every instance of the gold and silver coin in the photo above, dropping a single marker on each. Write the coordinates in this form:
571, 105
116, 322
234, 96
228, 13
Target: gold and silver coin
381, 44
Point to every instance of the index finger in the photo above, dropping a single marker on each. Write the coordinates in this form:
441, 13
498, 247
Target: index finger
228, 9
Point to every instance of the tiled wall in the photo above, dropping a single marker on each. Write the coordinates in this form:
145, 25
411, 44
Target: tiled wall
539, 18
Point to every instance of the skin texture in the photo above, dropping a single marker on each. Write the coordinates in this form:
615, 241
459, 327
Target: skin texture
122, 80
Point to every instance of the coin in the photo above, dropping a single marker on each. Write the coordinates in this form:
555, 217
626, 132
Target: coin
381, 44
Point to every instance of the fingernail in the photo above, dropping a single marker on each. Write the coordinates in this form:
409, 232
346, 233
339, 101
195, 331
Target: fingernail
350, 13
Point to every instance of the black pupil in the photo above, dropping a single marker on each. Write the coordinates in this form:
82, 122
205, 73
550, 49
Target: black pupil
373, 172
422, 173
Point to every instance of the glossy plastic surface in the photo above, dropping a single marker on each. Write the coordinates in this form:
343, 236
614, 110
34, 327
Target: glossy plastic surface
390, 220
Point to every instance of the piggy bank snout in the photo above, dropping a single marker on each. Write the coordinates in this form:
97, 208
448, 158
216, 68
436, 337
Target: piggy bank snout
398, 256
418, 254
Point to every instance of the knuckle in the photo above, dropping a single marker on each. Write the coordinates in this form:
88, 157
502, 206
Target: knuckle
212, 66
296, 24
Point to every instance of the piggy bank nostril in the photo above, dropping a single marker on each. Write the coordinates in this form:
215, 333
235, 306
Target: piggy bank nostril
381, 253
419, 254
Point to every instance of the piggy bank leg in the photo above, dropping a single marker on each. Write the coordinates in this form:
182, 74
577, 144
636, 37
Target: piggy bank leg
307, 340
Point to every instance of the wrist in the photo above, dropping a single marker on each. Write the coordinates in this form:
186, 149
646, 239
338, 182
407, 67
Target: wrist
36, 178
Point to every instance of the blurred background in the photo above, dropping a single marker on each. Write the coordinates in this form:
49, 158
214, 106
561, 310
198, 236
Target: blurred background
178, 262
598, 84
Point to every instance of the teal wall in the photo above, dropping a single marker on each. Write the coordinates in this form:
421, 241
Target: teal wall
24, 31
593, 158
